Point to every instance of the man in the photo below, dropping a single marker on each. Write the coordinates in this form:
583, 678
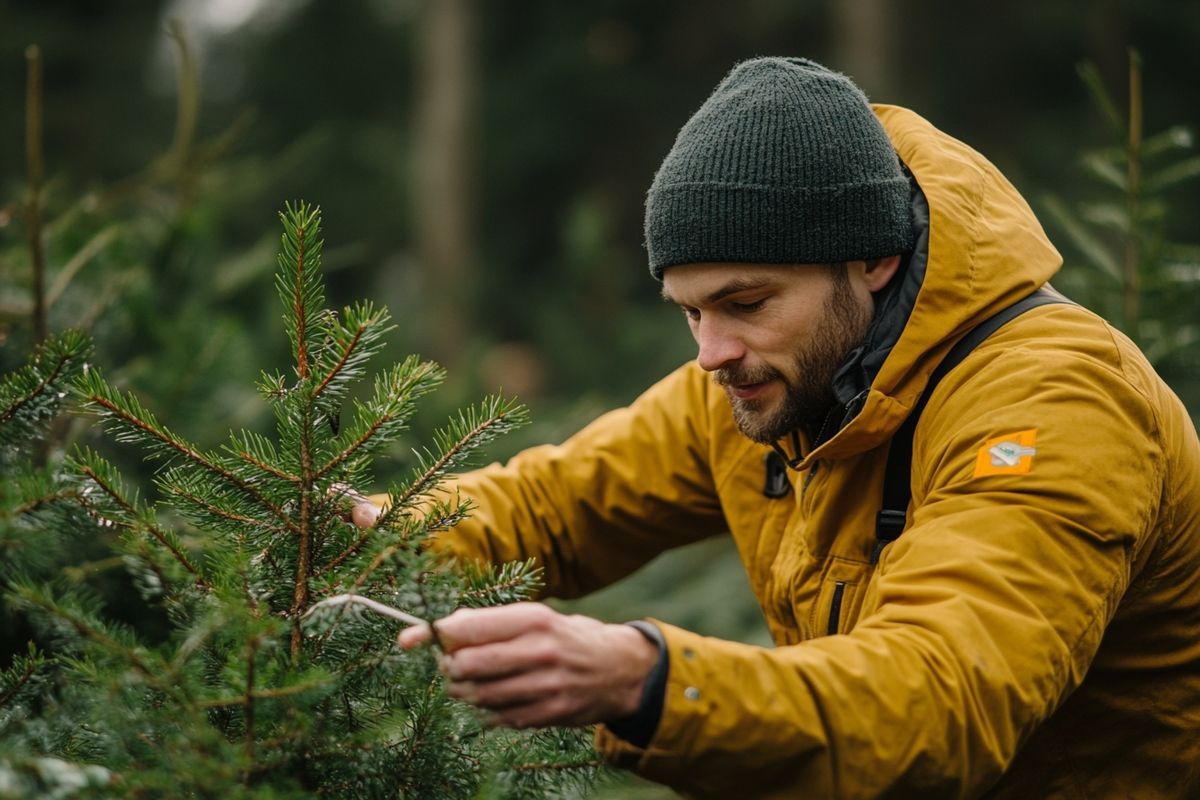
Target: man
1035, 630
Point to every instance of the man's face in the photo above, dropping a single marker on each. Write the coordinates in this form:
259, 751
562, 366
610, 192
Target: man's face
773, 336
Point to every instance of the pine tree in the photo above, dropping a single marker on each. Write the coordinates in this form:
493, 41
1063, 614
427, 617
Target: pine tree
39, 518
256, 693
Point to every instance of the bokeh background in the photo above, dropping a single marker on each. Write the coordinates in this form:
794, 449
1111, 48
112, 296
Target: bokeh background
482, 167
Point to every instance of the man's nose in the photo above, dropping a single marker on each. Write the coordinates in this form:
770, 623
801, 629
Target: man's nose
718, 346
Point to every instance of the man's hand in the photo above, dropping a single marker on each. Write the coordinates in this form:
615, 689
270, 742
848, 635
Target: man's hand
363, 511
529, 666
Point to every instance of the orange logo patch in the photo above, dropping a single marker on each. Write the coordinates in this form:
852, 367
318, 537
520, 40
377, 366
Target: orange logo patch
1010, 454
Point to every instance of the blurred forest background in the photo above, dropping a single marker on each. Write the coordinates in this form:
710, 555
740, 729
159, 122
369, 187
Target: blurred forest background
482, 166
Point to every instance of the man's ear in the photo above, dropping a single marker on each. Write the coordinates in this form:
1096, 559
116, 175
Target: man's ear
876, 273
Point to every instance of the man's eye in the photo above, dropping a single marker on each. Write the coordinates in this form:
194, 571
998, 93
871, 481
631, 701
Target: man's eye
748, 308
691, 313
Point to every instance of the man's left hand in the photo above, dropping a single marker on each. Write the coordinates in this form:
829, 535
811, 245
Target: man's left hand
529, 666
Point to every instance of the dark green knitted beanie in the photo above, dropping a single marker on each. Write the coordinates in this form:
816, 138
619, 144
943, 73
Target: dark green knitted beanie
784, 164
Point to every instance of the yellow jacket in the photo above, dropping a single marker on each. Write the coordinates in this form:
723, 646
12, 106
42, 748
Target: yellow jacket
1035, 632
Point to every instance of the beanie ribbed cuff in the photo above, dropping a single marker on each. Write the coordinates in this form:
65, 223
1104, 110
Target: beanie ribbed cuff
705, 222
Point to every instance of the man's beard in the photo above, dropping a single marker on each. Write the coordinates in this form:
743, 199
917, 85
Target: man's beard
808, 400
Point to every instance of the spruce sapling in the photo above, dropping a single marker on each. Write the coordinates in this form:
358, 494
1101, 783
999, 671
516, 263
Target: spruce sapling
251, 695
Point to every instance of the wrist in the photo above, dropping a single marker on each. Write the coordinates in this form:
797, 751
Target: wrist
639, 654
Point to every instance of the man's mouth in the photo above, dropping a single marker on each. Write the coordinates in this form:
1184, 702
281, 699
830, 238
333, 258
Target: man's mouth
747, 391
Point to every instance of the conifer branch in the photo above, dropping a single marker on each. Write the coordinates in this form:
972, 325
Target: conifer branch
268, 468
262, 694
539, 766
89, 631
225, 513
298, 281
304, 555
393, 399
29, 506
30, 670
343, 359
337, 560
176, 445
301, 311
513, 581
378, 561
444, 516
61, 361
501, 420
158, 533
304, 545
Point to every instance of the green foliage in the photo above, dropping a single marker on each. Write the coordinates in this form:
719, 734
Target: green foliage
250, 695
1131, 271
37, 508
39, 514
31, 396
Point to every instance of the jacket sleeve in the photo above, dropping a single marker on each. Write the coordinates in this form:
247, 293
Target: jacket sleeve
630, 485
982, 617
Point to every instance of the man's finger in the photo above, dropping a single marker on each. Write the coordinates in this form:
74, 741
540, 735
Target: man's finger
537, 714
470, 627
528, 688
501, 659
414, 636
365, 514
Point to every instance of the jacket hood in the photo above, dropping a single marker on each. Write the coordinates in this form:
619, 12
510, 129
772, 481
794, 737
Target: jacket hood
982, 249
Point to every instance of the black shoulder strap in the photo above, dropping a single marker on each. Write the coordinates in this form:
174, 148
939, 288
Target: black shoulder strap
897, 479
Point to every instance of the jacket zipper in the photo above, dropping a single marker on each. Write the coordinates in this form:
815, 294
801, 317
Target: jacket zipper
835, 608
812, 473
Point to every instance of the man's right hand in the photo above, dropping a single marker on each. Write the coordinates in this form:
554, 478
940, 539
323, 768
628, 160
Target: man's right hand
530, 666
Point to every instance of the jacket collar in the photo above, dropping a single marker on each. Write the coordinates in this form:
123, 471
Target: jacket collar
980, 249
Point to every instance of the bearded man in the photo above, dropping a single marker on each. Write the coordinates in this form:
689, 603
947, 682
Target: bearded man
1025, 624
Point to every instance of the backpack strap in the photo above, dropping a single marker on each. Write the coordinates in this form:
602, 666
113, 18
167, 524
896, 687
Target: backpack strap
897, 478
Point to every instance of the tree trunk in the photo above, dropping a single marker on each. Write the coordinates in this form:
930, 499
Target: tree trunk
864, 36
442, 171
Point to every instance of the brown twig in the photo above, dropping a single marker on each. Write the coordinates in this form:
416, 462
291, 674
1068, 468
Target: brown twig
307, 476
33, 505
304, 556
33, 164
376, 563
298, 304
78, 261
1132, 279
261, 694
251, 651
187, 108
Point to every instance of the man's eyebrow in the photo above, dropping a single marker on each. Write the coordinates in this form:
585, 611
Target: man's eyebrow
732, 287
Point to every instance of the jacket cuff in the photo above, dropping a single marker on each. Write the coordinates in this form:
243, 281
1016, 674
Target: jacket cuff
685, 707
638, 728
